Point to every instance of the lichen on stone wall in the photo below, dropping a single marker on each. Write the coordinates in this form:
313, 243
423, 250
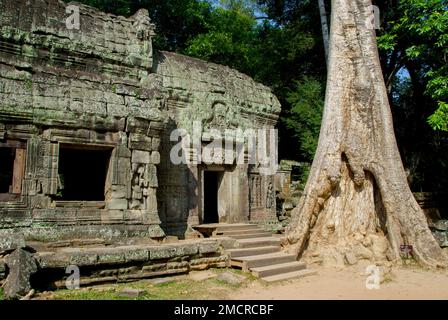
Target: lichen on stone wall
103, 86
215, 95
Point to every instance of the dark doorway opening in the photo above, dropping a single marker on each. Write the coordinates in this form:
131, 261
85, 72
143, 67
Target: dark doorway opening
211, 184
83, 173
7, 156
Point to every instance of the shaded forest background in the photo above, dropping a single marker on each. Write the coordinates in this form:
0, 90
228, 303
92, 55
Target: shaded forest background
279, 43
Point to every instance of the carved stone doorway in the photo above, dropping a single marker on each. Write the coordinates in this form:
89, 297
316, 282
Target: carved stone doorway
212, 180
224, 194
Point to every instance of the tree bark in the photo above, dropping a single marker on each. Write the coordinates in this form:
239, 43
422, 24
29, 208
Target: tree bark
357, 203
324, 23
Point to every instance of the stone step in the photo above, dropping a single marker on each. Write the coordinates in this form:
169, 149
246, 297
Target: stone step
275, 269
235, 227
262, 260
259, 242
289, 275
258, 234
246, 252
231, 233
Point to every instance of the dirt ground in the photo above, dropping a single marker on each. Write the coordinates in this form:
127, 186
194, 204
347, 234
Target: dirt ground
350, 283
329, 283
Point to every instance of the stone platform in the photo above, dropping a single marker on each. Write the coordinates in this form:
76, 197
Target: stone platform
100, 263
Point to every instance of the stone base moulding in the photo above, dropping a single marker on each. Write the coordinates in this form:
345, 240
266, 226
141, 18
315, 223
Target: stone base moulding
100, 264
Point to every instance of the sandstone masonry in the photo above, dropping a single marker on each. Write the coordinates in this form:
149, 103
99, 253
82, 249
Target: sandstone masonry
85, 119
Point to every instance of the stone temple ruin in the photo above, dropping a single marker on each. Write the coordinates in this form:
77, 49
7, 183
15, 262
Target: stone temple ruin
85, 121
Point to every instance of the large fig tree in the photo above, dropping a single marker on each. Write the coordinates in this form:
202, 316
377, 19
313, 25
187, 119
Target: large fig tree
357, 203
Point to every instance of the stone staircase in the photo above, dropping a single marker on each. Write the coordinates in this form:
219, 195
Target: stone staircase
259, 252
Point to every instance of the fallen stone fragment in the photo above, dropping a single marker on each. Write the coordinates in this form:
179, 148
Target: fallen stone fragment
441, 225
21, 265
231, 278
161, 280
201, 275
441, 237
131, 293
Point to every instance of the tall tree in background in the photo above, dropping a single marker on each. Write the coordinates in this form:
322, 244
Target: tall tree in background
357, 203
294, 54
414, 52
231, 39
324, 22
177, 21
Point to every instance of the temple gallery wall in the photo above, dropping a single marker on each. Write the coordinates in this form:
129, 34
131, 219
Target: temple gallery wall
85, 121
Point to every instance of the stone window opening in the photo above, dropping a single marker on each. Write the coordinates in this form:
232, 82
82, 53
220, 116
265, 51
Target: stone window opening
12, 168
82, 173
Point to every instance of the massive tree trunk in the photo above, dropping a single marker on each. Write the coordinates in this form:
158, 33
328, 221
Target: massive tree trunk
357, 203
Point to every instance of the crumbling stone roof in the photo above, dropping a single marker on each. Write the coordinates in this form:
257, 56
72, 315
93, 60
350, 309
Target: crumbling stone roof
186, 73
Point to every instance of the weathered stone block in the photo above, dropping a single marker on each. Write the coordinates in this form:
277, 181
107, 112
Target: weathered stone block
84, 259
177, 265
117, 204
135, 125
186, 249
155, 143
441, 237
122, 152
155, 157
441, 225
228, 243
131, 293
155, 231
139, 156
139, 141
53, 260
12, 242
219, 260
162, 252
151, 206
120, 171
117, 192
134, 216
132, 102
110, 256
231, 278
152, 176
95, 107
208, 247
112, 216
172, 251
113, 98
21, 265
137, 255
154, 267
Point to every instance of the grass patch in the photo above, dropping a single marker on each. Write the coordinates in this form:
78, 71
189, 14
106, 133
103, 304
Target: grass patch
2, 297
179, 288
248, 275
